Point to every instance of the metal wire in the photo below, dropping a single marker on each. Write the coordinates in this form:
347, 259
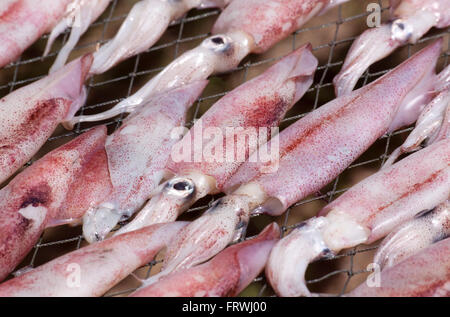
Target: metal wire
322, 82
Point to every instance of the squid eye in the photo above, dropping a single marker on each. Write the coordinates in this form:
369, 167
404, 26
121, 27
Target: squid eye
181, 187
401, 31
218, 43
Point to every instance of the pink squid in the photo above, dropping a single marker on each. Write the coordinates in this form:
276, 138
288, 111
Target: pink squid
94, 269
137, 153
423, 230
365, 213
79, 15
411, 19
424, 274
22, 22
52, 191
313, 151
144, 25
244, 27
252, 110
29, 115
227, 274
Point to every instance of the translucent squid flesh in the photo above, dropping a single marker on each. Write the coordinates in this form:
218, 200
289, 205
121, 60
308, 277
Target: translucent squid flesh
433, 123
29, 115
144, 25
259, 104
424, 274
94, 269
79, 15
227, 274
325, 141
52, 191
137, 153
411, 19
365, 213
22, 22
267, 22
423, 230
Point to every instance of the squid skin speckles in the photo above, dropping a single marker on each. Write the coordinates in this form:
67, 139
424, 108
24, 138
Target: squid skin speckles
426, 274
144, 25
101, 265
137, 153
259, 103
29, 115
227, 274
47, 193
22, 22
411, 19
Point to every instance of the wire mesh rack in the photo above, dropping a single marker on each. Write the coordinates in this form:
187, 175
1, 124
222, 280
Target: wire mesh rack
330, 34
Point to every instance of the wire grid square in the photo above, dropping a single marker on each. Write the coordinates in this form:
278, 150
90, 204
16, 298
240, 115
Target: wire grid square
331, 36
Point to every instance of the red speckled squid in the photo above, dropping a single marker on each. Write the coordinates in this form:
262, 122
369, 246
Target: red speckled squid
137, 154
365, 213
244, 27
79, 15
29, 115
144, 25
425, 274
411, 19
100, 266
22, 22
227, 274
313, 151
54, 190
258, 104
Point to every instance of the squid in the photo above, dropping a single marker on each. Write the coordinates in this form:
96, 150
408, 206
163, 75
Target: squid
410, 20
137, 153
433, 123
365, 213
94, 269
256, 106
227, 274
79, 15
313, 151
29, 115
243, 27
144, 25
426, 273
22, 22
53, 191
425, 229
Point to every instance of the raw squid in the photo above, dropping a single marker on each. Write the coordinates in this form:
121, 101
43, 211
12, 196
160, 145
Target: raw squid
411, 19
313, 151
244, 27
94, 269
257, 106
22, 22
424, 229
434, 121
80, 14
365, 213
144, 25
424, 274
137, 154
50, 192
29, 115
227, 274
